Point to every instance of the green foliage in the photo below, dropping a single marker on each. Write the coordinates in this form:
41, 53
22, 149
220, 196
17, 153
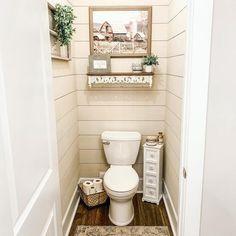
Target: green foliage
150, 60
64, 19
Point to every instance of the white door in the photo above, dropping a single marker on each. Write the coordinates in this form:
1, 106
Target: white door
197, 66
29, 197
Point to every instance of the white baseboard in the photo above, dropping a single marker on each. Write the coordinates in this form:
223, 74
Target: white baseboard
70, 213
173, 218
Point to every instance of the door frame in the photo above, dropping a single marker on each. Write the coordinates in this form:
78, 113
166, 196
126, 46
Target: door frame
197, 64
5, 200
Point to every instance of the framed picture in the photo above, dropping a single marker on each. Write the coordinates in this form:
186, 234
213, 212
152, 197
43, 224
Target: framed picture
120, 31
99, 64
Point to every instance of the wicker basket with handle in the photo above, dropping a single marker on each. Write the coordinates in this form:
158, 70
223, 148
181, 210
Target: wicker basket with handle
92, 200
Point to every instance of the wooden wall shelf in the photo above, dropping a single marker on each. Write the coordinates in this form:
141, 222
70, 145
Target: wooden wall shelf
121, 74
120, 79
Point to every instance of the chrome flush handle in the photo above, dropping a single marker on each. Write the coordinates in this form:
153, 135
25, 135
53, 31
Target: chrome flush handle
105, 142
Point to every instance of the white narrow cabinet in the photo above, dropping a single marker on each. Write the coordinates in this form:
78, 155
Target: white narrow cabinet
152, 173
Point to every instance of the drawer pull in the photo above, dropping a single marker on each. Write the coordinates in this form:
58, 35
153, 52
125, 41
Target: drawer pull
151, 168
105, 142
151, 192
150, 181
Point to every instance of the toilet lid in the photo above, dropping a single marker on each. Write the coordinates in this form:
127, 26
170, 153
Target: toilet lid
121, 178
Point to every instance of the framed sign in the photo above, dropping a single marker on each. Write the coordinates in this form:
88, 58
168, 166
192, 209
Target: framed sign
99, 64
120, 31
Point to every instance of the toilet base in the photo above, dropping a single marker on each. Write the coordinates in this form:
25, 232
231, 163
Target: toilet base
119, 223
121, 213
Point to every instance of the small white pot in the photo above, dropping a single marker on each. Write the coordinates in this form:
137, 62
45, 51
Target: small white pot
148, 68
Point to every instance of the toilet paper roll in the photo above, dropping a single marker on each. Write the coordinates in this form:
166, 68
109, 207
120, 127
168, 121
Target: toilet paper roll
87, 186
97, 183
92, 190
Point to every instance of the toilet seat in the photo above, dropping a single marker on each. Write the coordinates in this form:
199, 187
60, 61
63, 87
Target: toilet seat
121, 178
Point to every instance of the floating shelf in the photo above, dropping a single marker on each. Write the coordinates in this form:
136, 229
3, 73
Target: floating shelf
124, 79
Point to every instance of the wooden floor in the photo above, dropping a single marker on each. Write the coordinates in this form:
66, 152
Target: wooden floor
147, 214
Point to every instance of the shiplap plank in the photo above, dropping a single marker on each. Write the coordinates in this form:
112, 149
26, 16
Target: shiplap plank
175, 7
65, 104
67, 140
118, 65
121, 98
174, 104
63, 86
175, 85
178, 24
97, 127
174, 122
64, 124
121, 113
176, 65
173, 140
176, 45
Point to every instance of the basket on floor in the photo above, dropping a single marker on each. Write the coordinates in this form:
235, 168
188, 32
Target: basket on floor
92, 200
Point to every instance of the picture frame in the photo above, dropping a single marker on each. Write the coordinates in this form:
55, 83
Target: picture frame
120, 31
99, 64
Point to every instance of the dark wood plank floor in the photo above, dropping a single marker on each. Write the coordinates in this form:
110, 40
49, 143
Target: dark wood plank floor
147, 214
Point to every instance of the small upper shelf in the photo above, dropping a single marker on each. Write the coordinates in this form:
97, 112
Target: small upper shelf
120, 79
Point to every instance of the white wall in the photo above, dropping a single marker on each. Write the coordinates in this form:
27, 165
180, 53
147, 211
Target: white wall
219, 192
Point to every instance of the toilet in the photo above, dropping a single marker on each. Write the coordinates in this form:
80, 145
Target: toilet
121, 180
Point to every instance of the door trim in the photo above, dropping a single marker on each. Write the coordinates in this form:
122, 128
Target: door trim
198, 49
7, 192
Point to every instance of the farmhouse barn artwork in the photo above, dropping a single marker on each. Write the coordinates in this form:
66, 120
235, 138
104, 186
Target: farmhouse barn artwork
120, 32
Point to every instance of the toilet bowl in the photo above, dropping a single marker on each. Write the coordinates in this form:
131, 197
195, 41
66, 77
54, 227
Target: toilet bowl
121, 180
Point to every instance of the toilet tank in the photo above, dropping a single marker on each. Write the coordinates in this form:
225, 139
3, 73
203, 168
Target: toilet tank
121, 147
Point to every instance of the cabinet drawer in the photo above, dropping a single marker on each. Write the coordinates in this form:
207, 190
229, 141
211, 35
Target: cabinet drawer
152, 155
151, 168
150, 192
151, 180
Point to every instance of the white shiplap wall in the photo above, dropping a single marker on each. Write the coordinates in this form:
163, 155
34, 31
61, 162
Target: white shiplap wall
83, 113
174, 95
67, 132
117, 109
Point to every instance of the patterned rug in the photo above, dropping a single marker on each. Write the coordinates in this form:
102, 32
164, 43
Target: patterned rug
122, 231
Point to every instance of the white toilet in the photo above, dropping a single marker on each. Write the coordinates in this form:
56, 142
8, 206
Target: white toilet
121, 180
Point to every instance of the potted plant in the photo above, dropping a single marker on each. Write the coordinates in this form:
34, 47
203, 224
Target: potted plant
149, 62
64, 19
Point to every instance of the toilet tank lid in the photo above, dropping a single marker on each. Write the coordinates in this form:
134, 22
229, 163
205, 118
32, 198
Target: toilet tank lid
121, 135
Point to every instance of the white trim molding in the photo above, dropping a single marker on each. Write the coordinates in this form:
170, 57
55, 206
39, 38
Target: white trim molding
171, 212
70, 212
198, 49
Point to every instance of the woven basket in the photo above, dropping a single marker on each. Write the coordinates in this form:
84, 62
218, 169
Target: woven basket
92, 200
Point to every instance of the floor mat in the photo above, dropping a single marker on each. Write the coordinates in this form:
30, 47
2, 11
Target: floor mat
121, 231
